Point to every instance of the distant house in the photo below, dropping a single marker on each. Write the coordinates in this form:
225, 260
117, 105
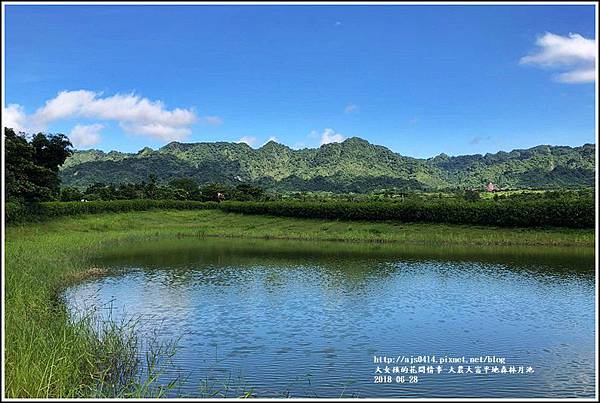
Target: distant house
491, 187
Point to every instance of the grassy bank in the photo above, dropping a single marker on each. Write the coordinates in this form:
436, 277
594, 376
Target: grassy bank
47, 356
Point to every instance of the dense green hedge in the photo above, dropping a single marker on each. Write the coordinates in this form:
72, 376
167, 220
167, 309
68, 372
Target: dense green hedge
16, 212
568, 212
573, 213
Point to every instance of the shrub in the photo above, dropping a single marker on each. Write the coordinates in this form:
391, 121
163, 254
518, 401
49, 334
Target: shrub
574, 213
14, 212
41, 211
569, 212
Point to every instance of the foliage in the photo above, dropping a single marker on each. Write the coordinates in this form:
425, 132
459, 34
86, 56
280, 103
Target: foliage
549, 209
32, 166
566, 212
188, 188
471, 195
16, 212
51, 151
354, 165
69, 193
177, 189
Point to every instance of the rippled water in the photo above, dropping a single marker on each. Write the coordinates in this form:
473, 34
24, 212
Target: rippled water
302, 319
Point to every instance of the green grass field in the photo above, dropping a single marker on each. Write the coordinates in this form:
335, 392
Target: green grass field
48, 356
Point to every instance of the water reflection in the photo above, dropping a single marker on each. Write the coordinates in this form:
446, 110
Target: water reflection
305, 319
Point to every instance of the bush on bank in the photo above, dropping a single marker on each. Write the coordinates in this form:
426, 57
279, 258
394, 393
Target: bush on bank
572, 213
16, 212
567, 212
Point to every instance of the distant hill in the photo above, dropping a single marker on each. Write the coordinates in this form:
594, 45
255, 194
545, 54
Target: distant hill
354, 165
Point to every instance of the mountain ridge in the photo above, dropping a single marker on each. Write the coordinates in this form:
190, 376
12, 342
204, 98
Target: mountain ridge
352, 165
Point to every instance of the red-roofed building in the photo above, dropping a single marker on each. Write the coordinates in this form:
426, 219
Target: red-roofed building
491, 187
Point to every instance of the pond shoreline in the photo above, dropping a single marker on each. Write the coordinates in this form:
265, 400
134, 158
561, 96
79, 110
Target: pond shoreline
215, 223
234, 292
507, 243
42, 257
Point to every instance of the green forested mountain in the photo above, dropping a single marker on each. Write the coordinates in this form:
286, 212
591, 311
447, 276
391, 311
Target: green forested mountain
354, 165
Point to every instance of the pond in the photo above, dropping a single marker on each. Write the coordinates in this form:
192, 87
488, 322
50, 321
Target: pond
303, 319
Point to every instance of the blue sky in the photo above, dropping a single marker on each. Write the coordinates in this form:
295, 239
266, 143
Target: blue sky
420, 80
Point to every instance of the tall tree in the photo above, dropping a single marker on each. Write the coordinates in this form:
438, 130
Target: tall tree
51, 150
32, 167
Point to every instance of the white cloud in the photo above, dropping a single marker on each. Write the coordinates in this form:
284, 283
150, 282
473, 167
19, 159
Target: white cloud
212, 120
134, 114
562, 50
351, 108
85, 136
248, 140
330, 136
573, 53
13, 117
156, 130
578, 76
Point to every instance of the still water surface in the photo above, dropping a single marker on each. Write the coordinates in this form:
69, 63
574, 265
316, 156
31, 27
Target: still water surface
302, 319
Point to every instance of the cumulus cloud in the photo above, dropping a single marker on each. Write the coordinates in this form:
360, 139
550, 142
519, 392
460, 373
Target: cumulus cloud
136, 115
578, 76
13, 117
330, 136
85, 136
351, 108
248, 140
574, 53
156, 130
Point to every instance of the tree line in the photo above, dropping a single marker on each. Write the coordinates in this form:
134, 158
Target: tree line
32, 175
33, 163
177, 189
